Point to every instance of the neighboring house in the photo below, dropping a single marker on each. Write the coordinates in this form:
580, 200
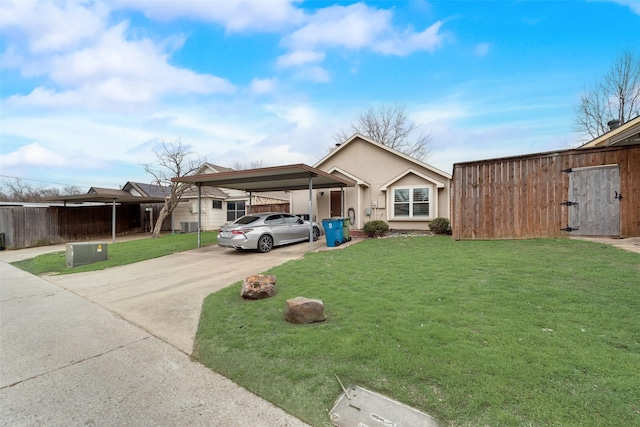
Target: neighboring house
221, 205
593, 190
618, 135
148, 211
391, 186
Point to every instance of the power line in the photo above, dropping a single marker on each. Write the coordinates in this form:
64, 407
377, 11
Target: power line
46, 182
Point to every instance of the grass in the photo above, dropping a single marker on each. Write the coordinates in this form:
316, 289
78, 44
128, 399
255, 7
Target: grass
120, 253
532, 332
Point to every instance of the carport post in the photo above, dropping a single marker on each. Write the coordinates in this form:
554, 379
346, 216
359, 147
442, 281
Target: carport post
310, 213
113, 221
199, 212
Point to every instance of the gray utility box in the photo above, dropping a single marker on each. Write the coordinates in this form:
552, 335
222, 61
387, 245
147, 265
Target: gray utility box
85, 253
188, 227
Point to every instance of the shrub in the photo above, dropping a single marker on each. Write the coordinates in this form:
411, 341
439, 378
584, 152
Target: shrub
440, 225
376, 228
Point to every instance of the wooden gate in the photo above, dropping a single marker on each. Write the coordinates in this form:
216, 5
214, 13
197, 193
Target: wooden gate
594, 201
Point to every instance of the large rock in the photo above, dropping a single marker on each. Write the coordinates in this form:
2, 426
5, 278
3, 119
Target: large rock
258, 286
304, 310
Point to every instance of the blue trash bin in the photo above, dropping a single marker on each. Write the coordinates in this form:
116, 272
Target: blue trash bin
333, 231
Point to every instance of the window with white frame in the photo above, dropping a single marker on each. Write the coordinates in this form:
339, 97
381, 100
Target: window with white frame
235, 210
411, 202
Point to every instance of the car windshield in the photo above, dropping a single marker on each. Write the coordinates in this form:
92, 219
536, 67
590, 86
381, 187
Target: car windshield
248, 219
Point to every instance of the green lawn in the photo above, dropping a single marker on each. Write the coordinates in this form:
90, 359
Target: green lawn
120, 253
531, 332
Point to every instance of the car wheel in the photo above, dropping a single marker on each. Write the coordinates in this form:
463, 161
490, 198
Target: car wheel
265, 243
316, 233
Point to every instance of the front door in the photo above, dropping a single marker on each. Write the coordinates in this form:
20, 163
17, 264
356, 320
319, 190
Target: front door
336, 204
595, 196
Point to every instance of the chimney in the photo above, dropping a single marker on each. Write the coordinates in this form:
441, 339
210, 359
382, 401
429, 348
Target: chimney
613, 124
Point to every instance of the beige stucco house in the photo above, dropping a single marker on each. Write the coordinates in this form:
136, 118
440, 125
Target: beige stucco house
391, 186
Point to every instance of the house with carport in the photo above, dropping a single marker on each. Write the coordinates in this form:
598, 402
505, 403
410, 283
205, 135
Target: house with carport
390, 186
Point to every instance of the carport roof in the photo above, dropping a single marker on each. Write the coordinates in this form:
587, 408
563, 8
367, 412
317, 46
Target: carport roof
277, 178
104, 198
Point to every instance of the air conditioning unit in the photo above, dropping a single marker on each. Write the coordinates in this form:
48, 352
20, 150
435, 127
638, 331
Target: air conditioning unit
85, 253
188, 227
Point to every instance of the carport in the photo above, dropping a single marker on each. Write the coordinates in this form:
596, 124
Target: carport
278, 178
113, 200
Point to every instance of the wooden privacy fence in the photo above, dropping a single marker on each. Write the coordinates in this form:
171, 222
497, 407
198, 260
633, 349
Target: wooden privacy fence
528, 196
274, 207
25, 227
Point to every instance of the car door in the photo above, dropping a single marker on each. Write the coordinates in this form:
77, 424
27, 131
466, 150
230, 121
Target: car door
297, 231
277, 228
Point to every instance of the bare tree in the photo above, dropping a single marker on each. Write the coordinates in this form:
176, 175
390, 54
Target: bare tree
390, 126
256, 164
17, 190
615, 97
174, 160
71, 189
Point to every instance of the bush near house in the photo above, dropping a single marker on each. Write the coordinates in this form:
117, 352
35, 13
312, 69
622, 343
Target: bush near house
376, 228
440, 226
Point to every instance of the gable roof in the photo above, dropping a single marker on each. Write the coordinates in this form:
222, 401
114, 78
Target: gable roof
357, 180
383, 147
213, 168
414, 172
625, 134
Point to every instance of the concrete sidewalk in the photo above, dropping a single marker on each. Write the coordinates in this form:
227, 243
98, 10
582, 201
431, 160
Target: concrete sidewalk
66, 361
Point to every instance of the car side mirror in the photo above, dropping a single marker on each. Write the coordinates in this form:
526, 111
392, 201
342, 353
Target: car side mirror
300, 221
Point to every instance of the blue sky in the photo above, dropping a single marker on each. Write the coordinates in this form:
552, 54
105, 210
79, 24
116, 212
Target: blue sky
89, 89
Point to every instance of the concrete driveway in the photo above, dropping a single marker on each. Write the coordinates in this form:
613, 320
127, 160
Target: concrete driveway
164, 296
112, 347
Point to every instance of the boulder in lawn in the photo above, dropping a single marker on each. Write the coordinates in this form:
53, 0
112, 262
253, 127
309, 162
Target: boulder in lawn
258, 286
304, 310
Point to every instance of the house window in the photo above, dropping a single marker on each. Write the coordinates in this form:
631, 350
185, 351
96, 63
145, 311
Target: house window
411, 202
235, 210
217, 204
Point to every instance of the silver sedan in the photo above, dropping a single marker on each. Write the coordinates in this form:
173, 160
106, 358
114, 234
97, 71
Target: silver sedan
263, 231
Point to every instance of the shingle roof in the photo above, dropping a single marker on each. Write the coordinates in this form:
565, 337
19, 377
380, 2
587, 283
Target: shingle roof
108, 192
149, 190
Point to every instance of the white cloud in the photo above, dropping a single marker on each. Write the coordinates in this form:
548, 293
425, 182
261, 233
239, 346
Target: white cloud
234, 16
263, 86
116, 72
355, 26
300, 57
301, 115
481, 49
409, 41
49, 26
44, 97
359, 26
33, 155
634, 5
